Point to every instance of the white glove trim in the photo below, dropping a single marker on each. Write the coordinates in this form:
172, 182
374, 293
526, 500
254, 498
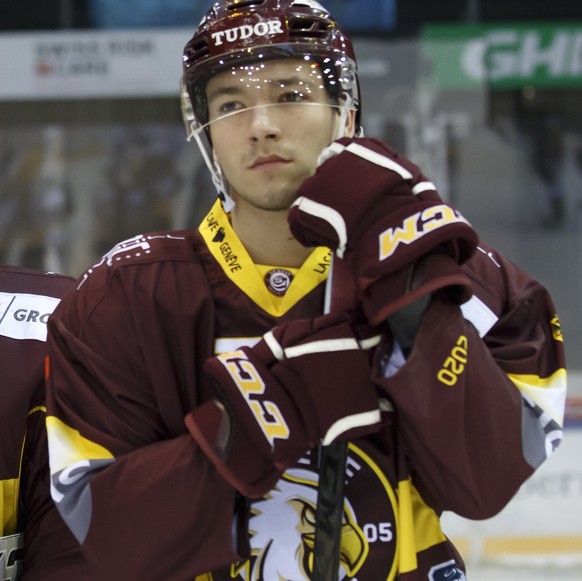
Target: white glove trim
331, 216
370, 342
364, 153
274, 346
329, 152
323, 346
349, 422
421, 187
379, 159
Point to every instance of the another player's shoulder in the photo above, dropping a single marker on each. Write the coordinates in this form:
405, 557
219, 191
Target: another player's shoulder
23, 280
27, 298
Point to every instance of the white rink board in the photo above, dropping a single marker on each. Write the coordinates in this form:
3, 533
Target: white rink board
541, 528
91, 64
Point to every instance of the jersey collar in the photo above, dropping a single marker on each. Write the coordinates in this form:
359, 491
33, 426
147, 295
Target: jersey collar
238, 266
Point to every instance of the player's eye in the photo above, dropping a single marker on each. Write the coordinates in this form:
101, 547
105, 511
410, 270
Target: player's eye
229, 107
220, 107
294, 96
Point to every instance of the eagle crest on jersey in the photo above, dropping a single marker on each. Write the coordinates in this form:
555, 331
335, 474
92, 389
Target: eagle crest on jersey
286, 551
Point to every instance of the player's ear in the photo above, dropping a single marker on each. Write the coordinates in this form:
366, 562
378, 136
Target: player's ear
350, 127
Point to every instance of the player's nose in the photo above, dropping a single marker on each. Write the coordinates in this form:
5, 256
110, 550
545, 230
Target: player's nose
264, 123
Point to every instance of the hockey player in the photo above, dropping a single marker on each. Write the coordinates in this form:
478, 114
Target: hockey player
193, 375
35, 543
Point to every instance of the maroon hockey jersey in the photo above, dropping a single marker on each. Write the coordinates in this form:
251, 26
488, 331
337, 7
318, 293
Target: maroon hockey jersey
477, 407
30, 526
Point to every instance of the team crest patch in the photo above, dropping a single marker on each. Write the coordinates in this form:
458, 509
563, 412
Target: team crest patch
278, 281
285, 551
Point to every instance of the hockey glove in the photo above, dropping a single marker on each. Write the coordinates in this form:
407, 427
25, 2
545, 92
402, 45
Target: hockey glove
307, 382
401, 298
376, 209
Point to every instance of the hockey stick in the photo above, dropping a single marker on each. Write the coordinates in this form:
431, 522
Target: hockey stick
330, 497
330, 510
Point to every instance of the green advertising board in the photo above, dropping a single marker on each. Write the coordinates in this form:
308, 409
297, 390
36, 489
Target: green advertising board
504, 56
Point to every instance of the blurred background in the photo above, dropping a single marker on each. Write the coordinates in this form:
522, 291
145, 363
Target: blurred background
484, 96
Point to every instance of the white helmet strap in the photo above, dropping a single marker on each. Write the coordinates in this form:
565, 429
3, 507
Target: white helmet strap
216, 173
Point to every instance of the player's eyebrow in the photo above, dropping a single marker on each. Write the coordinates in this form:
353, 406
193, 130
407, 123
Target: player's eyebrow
235, 89
227, 90
295, 80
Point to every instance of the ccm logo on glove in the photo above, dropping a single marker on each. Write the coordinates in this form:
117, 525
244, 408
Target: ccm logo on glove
416, 226
248, 380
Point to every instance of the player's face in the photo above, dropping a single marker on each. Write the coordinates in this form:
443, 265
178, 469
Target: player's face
269, 122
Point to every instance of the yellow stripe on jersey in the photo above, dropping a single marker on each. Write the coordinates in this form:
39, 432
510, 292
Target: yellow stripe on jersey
418, 526
548, 393
67, 446
8, 506
10, 491
236, 263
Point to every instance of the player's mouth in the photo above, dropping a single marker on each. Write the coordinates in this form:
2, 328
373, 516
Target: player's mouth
268, 162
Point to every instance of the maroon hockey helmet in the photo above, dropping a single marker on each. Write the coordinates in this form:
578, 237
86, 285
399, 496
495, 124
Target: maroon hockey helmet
237, 33
234, 32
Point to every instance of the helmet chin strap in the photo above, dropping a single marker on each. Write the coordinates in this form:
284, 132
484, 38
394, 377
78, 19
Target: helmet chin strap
221, 186
215, 170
